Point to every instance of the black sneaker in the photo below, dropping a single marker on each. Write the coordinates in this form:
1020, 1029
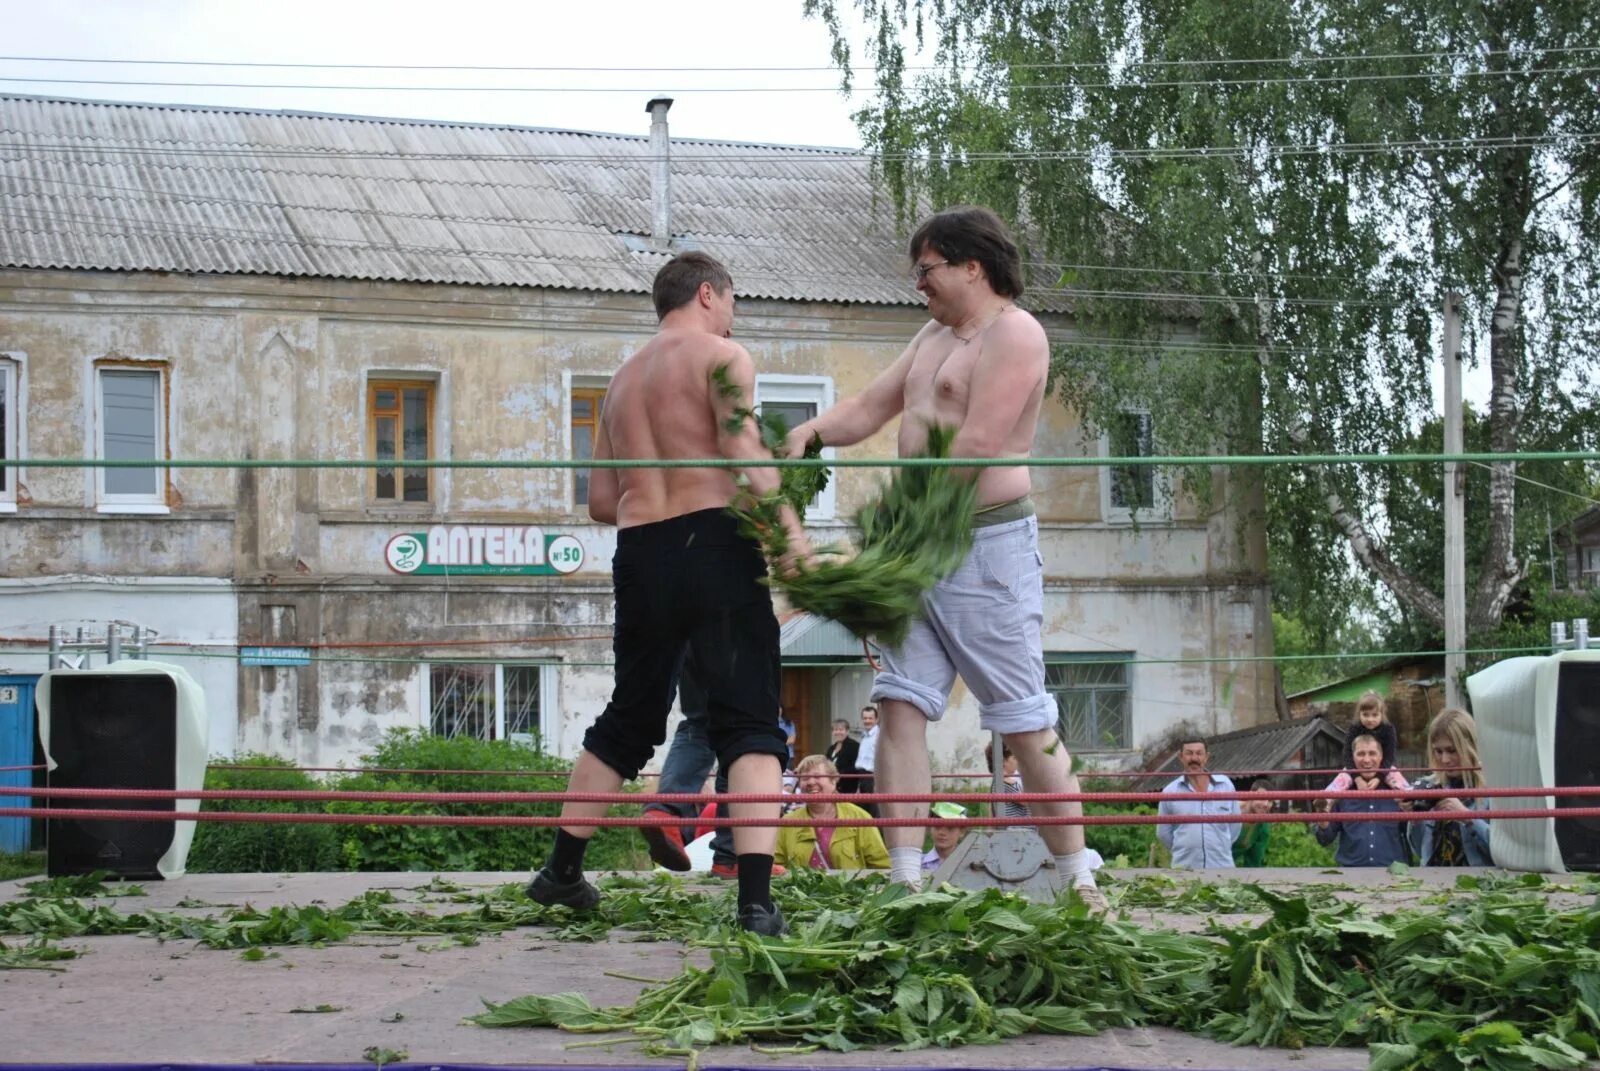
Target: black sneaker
578, 895
766, 921
666, 846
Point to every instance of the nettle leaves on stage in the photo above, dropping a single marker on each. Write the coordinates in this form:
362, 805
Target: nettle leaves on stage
1499, 972
1267, 200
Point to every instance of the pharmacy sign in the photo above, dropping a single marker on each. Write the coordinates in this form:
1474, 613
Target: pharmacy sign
483, 550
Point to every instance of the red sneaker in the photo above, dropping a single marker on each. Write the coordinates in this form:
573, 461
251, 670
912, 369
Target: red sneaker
731, 870
666, 846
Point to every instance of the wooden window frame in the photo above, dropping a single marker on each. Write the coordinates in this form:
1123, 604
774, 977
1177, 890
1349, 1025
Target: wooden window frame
399, 386
575, 394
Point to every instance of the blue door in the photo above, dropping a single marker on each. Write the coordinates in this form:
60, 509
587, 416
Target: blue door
16, 749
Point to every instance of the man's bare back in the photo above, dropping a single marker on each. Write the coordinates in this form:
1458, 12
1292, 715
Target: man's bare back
660, 407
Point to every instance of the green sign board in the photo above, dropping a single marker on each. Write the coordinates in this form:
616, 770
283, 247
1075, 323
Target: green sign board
483, 550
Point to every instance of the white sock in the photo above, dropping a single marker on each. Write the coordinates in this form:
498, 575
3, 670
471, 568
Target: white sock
1078, 867
905, 866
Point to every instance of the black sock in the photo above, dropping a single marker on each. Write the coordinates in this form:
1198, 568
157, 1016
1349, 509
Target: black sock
566, 858
755, 880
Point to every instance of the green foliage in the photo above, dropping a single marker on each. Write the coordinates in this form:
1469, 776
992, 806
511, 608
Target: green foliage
797, 486
1294, 635
1527, 623
1246, 262
1496, 977
917, 532
404, 847
1135, 843
25, 865
1292, 844
253, 847
1492, 974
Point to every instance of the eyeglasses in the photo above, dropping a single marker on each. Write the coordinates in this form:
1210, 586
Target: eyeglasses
920, 271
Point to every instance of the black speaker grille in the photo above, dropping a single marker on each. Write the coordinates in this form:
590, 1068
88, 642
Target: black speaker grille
116, 730
1577, 746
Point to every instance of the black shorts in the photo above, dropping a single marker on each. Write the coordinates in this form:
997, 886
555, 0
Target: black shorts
690, 583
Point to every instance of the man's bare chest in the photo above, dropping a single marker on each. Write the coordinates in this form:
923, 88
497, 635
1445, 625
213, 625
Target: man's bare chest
941, 375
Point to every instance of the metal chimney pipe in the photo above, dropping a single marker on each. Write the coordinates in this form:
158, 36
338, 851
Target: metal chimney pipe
660, 173
1580, 633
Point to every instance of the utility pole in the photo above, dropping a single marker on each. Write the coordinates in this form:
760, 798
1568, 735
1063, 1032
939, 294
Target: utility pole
1455, 544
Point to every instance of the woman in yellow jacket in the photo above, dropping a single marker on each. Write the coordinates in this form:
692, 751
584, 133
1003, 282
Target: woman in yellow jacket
828, 847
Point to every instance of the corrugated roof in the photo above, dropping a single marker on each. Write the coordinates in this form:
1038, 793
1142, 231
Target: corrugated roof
805, 635
1262, 747
132, 187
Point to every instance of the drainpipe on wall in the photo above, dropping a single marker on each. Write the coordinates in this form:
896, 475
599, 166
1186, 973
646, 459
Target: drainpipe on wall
660, 174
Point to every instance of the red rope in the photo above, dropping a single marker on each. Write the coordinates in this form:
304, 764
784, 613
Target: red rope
979, 776
12, 769
295, 818
293, 795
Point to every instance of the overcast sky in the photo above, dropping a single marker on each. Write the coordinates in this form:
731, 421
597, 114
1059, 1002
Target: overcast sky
629, 35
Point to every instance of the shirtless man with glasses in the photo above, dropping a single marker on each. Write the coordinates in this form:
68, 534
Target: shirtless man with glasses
979, 365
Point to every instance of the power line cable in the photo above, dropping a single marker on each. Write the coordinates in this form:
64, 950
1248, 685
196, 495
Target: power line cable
680, 90
778, 155
1363, 57
1545, 486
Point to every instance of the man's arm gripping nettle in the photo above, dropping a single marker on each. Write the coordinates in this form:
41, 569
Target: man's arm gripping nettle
739, 439
857, 417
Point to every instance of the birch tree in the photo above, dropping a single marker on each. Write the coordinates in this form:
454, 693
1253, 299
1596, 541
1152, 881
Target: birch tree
1293, 184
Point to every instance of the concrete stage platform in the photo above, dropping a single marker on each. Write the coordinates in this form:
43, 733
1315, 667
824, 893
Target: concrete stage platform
136, 1000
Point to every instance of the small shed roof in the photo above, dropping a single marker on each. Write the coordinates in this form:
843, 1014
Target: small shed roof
1260, 747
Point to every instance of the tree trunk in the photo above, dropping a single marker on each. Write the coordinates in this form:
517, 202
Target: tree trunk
1500, 571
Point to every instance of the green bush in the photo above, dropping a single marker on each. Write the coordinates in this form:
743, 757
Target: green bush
251, 847
255, 847
1135, 843
459, 848
25, 865
1293, 844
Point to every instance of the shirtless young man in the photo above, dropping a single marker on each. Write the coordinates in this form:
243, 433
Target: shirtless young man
979, 366
685, 580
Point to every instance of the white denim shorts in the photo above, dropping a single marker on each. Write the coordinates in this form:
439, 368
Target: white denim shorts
984, 622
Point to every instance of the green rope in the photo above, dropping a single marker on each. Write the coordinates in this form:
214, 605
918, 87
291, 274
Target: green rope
456, 660
842, 463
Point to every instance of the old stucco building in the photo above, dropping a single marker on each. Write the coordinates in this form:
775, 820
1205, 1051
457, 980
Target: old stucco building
183, 283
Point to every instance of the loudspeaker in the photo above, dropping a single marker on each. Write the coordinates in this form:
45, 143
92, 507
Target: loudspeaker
1577, 760
112, 730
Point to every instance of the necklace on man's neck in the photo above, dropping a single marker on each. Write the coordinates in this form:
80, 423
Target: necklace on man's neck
964, 339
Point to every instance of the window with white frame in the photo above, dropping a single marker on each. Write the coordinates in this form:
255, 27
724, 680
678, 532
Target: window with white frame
1131, 491
1093, 699
510, 701
797, 399
130, 425
9, 438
